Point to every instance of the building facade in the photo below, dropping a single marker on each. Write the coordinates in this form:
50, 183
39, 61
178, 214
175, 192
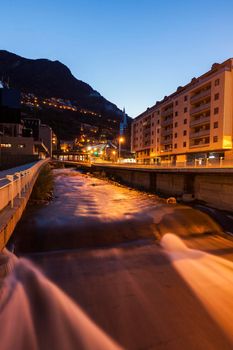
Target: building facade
195, 123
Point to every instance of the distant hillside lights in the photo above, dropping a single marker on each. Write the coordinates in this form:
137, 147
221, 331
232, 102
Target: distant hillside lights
32, 101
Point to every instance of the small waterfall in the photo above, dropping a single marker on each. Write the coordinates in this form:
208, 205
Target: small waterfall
35, 314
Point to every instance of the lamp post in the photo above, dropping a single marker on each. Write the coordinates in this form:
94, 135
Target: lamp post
121, 140
114, 156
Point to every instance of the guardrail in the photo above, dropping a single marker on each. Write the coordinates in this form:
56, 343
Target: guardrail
197, 163
14, 185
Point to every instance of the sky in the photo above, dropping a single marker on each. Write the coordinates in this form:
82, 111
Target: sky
134, 52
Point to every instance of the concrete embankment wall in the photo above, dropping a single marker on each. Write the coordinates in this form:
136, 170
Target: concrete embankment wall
9, 217
212, 186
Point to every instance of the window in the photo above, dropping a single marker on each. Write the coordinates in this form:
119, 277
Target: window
216, 110
158, 131
215, 125
185, 132
176, 114
175, 135
185, 110
152, 124
176, 124
176, 103
175, 145
216, 96
152, 132
158, 121
217, 82
184, 144
215, 139
185, 121
5, 145
185, 98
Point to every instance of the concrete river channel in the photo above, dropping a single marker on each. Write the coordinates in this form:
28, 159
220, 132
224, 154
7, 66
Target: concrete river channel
148, 274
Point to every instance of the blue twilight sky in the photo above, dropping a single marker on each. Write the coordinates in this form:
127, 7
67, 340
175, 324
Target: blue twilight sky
132, 51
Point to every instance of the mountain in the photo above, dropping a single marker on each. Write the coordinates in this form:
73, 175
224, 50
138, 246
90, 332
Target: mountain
47, 79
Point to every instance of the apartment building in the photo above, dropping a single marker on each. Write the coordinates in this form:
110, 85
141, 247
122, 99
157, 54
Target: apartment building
195, 123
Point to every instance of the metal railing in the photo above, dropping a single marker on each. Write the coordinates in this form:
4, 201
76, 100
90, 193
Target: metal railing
201, 120
201, 108
200, 95
14, 185
216, 163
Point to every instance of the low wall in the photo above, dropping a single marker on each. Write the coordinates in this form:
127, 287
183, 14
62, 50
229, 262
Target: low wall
215, 190
9, 217
212, 186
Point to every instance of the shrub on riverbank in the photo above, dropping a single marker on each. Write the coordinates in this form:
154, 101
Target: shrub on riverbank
43, 188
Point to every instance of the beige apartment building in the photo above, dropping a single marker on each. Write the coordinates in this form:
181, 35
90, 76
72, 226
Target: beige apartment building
194, 124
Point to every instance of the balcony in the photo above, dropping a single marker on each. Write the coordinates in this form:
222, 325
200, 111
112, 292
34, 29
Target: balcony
168, 121
167, 142
167, 132
166, 150
200, 144
200, 121
200, 133
201, 108
202, 94
167, 112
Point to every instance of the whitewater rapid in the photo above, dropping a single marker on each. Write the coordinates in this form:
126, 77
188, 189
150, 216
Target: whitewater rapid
210, 278
35, 314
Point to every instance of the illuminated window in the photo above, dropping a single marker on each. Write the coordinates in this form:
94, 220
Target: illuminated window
6, 145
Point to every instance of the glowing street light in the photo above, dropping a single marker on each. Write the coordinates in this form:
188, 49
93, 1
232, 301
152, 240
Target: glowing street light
114, 155
120, 141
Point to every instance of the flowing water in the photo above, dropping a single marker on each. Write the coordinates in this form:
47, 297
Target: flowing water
88, 211
108, 273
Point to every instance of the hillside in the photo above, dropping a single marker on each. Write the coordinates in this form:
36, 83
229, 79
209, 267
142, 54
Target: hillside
52, 79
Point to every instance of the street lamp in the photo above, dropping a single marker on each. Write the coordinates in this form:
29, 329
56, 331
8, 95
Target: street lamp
114, 156
121, 140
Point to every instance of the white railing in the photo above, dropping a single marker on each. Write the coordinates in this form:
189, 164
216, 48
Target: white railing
196, 163
14, 185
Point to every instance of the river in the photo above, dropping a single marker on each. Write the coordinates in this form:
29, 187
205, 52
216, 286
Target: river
149, 275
